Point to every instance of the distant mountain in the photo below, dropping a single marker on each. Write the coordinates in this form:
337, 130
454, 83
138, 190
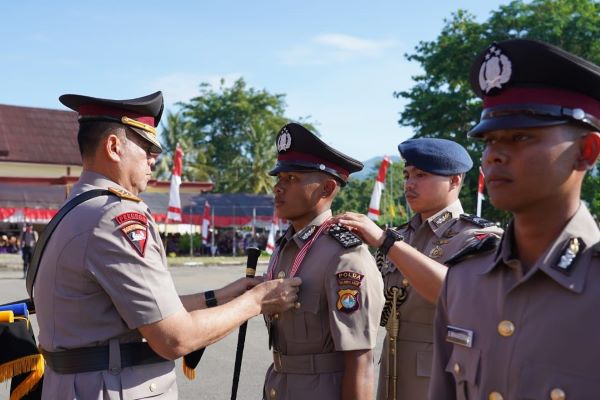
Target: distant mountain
371, 167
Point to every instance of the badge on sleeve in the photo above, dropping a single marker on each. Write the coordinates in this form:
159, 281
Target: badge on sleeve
135, 229
349, 278
348, 300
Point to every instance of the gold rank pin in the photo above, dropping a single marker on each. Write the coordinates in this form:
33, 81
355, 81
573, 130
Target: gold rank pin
124, 194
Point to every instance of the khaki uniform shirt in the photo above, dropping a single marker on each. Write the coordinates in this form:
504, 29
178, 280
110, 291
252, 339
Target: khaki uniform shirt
502, 334
341, 301
440, 237
104, 274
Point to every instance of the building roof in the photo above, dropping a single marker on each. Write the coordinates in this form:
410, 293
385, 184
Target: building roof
38, 135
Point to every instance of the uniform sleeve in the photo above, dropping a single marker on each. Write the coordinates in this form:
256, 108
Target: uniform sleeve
441, 386
126, 258
355, 300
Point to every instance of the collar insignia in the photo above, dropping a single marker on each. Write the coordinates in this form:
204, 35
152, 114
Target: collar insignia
572, 250
284, 141
124, 194
495, 70
307, 232
442, 218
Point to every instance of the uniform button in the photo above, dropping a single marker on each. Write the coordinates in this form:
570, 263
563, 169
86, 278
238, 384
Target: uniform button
495, 396
272, 393
404, 282
281, 275
297, 305
275, 316
558, 394
152, 387
456, 368
506, 328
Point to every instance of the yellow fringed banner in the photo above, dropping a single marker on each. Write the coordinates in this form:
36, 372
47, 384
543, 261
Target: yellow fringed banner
189, 373
33, 363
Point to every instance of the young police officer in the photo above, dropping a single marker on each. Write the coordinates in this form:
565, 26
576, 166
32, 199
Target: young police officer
433, 176
522, 323
322, 349
103, 285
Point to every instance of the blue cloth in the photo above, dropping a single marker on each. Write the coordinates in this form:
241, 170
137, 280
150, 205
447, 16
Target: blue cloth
436, 156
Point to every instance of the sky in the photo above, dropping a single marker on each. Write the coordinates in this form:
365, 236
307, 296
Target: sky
337, 62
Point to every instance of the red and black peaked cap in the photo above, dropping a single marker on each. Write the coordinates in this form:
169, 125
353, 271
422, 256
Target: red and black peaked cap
300, 150
142, 114
526, 84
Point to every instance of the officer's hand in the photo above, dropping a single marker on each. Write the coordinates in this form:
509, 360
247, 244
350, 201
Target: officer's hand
237, 288
360, 224
277, 295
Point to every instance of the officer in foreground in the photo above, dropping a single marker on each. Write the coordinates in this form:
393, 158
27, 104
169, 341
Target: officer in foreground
323, 348
110, 319
434, 170
522, 323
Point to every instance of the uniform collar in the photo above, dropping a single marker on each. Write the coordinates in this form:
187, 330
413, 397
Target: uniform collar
581, 228
306, 233
441, 221
93, 180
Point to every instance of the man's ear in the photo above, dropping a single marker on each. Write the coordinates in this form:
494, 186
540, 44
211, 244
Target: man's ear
114, 147
455, 181
329, 187
590, 151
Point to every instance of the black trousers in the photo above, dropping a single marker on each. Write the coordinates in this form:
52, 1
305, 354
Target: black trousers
27, 253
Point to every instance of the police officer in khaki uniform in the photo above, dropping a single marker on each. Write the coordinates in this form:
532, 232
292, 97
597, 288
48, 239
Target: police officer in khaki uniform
522, 322
322, 349
433, 175
109, 317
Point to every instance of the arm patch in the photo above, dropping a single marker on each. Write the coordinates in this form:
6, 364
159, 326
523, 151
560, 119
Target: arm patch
346, 238
481, 222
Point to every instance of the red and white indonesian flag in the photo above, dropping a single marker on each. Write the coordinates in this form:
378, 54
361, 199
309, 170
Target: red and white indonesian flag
379, 185
174, 211
480, 188
205, 223
271, 240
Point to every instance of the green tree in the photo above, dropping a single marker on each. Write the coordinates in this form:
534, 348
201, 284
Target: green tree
441, 103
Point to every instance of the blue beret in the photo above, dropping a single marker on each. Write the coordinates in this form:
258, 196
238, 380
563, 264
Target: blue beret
436, 156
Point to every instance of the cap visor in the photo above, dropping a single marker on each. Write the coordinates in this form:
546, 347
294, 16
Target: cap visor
512, 122
291, 168
156, 148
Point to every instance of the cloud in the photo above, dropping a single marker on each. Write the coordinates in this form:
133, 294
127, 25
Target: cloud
182, 86
332, 48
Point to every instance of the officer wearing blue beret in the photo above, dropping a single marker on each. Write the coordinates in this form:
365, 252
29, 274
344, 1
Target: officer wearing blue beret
522, 322
413, 259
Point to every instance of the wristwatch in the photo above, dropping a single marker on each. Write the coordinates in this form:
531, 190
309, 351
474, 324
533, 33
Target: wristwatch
210, 299
391, 236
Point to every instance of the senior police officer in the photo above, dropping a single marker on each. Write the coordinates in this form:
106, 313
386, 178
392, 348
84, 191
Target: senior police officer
109, 317
433, 176
522, 323
322, 349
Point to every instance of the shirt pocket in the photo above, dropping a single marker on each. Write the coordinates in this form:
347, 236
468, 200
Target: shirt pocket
149, 380
464, 367
538, 381
306, 321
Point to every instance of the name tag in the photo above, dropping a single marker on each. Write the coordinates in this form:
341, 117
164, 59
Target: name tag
460, 336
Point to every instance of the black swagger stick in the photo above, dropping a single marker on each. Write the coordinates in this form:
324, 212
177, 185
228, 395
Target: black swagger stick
253, 254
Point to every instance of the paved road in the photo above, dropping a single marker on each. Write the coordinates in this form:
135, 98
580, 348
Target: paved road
215, 371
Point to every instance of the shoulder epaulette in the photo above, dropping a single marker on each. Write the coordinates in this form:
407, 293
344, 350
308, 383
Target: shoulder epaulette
124, 194
482, 222
483, 245
344, 236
